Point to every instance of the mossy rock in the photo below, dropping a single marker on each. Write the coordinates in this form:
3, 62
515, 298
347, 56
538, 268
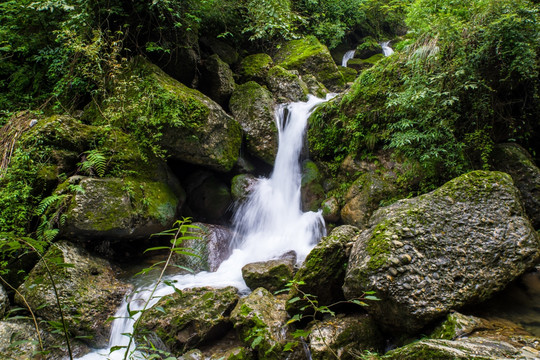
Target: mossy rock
253, 107
117, 209
309, 56
312, 192
241, 186
349, 73
255, 68
441, 251
286, 85
368, 48
315, 87
188, 318
331, 210
86, 286
272, 275
217, 80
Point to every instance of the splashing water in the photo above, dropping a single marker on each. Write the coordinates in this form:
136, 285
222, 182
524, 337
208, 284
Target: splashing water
387, 50
346, 57
269, 224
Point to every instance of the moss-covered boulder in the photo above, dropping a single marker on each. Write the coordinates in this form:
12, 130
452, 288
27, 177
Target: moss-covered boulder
450, 248
217, 80
87, 289
364, 196
260, 319
344, 336
309, 56
286, 85
315, 87
255, 68
312, 192
208, 197
253, 107
367, 48
241, 186
211, 246
189, 318
272, 275
516, 161
115, 208
323, 271
19, 341
330, 209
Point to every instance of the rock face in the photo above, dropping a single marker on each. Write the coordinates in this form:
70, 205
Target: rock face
323, 271
118, 209
272, 275
217, 80
87, 289
440, 251
312, 192
189, 318
211, 247
342, 336
286, 85
253, 107
516, 161
260, 319
309, 56
208, 197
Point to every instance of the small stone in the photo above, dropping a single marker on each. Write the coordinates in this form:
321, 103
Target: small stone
397, 243
405, 259
394, 261
393, 271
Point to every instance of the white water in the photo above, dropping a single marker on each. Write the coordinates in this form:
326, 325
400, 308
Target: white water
387, 50
269, 224
346, 57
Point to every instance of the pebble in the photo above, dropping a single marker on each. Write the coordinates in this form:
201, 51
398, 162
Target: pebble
405, 259
393, 271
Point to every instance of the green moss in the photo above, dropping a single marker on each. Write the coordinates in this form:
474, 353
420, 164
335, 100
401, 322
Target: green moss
255, 67
379, 246
447, 330
349, 74
373, 59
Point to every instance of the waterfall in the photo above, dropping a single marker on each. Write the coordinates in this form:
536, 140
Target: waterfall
387, 50
346, 57
269, 224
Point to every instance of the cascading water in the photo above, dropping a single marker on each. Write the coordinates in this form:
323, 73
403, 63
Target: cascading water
269, 224
346, 57
387, 50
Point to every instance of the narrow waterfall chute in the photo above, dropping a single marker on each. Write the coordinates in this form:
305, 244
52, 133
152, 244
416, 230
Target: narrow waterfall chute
347, 56
387, 50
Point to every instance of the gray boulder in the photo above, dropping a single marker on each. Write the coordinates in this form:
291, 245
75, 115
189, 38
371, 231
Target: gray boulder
450, 248
253, 107
343, 337
261, 321
272, 275
323, 271
117, 209
188, 318
286, 85
87, 289
516, 161
217, 80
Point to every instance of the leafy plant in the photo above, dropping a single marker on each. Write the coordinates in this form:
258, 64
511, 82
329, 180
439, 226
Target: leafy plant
94, 163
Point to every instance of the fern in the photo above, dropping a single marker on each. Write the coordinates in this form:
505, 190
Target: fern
48, 202
94, 163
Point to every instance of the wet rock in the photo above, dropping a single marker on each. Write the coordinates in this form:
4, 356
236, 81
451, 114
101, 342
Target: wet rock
343, 336
189, 318
309, 56
323, 271
472, 232
117, 209
225, 51
367, 48
315, 87
286, 85
331, 210
195, 354
217, 80
211, 247
516, 161
312, 192
87, 288
253, 107
241, 186
255, 68
272, 275
261, 321
363, 197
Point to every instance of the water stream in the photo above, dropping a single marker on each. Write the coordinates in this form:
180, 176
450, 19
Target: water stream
346, 57
269, 224
387, 50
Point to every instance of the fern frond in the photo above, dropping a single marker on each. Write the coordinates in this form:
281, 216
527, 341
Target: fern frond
94, 163
48, 202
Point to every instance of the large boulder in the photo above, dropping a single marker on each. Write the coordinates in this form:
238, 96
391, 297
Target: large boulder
452, 247
217, 80
309, 56
516, 161
343, 337
260, 319
286, 85
272, 275
188, 318
86, 287
211, 246
255, 68
253, 107
115, 209
323, 272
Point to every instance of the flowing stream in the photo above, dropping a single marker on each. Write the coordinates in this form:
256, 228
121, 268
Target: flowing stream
387, 50
346, 57
269, 224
